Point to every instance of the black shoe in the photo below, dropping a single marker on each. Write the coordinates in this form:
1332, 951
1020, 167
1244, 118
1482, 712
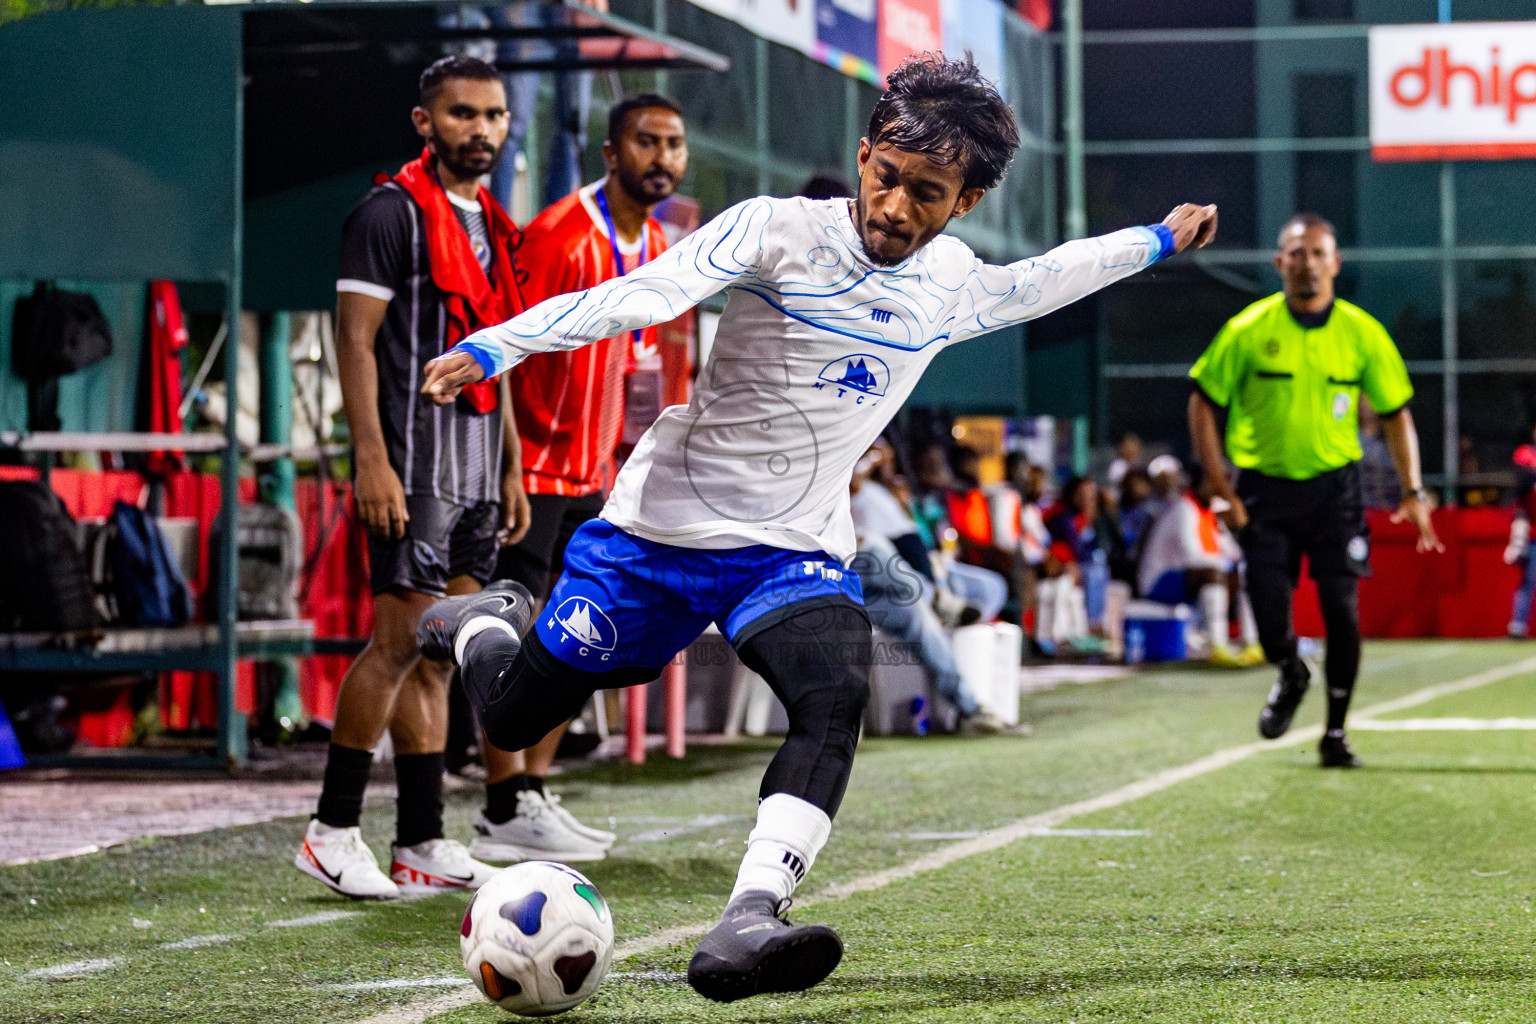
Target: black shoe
1334, 752
1284, 698
755, 949
440, 623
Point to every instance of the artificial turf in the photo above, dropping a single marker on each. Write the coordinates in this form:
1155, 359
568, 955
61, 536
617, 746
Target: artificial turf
1267, 890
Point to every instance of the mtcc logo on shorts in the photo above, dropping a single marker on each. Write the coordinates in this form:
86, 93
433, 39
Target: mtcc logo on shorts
861, 376
587, 625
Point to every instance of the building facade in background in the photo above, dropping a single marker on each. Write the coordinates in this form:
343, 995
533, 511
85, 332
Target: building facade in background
1263, 106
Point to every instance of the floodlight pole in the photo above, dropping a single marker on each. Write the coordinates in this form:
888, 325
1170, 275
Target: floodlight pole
1072, 115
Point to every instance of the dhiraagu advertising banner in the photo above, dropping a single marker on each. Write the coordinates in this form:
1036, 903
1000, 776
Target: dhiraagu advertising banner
1453, 91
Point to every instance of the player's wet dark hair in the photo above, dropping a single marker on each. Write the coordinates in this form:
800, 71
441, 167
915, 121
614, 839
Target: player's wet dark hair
620, 111
945, 109
826, 186
433, 78
1308, 221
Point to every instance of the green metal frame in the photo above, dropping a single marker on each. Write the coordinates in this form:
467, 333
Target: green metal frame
1448, 253
138, 114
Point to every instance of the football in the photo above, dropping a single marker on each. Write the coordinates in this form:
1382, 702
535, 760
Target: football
537, 938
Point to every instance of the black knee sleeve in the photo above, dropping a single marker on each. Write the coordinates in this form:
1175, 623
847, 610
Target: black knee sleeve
817, 663
1270, 591
1339, 599
521, 691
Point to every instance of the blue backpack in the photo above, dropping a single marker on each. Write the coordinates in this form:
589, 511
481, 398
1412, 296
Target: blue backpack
146, 583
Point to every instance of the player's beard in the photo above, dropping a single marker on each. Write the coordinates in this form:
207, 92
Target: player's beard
648, 188
862, 224
462, 160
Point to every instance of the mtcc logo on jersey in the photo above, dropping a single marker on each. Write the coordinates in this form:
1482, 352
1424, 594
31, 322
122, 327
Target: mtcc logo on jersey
860, 376
585, 623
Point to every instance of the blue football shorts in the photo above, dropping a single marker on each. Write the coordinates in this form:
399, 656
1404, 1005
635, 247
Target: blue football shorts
627, 602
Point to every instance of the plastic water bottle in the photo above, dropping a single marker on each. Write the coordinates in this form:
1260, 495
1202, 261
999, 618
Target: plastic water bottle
919, 709
1135, 643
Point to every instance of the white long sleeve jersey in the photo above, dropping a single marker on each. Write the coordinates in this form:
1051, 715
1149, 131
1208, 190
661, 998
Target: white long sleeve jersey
816, 350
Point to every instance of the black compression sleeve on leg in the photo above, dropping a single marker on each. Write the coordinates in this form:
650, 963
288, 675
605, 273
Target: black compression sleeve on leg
521, 691
1269, 592
1339, 598
817, 664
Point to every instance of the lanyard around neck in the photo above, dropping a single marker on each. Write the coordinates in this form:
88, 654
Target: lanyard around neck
613, 242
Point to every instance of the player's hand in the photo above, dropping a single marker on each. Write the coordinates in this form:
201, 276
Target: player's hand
1414, 511
1191, 225
380, 498
516, 516
448, 373
1235, 515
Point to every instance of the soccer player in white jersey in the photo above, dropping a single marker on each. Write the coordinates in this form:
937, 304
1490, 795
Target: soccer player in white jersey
735, 507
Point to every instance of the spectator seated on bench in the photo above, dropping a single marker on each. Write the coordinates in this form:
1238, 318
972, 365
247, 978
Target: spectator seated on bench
1191, 558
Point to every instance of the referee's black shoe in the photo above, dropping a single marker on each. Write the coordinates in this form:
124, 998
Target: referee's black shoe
1284, 698
1334, 752
755, 949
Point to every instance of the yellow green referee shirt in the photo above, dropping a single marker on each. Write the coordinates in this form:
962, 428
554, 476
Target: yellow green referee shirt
1292, 393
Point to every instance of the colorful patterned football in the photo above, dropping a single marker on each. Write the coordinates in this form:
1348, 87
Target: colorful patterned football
537, 938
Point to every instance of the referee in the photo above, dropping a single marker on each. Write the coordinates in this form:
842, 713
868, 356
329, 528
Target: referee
1290, 371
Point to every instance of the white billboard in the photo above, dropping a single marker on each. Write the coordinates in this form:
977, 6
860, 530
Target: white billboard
1453, 91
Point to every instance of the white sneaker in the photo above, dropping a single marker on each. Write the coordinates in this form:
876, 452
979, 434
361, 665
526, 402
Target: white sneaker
339, 858
600, 836
437, 865
535, 832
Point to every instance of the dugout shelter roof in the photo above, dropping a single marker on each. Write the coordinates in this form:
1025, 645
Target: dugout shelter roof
133, 141
225, 145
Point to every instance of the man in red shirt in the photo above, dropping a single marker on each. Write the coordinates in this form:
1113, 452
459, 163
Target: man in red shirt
569, 408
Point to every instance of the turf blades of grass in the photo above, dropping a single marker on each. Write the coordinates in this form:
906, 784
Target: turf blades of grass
914, 950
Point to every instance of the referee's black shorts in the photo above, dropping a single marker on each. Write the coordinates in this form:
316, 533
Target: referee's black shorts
1322, 518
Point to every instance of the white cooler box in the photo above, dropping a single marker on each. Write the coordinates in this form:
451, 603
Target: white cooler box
988, 656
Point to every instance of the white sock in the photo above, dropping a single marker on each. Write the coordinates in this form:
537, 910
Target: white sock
1245, 620
1074, 612
790, 833
1045, 611
1213, 605
474, 627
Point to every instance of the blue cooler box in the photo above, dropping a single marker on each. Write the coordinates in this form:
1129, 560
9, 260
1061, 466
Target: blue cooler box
1154, 632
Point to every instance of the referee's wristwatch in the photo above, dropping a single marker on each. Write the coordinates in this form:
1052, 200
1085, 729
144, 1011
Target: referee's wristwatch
1416, 492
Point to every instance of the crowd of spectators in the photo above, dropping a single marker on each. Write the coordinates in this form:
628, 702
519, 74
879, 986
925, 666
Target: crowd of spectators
1067, 561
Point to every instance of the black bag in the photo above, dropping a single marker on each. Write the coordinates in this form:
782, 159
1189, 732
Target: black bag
139, 580
45, 586
55, 333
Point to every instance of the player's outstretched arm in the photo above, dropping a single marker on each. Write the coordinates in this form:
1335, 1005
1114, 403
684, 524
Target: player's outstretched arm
1001, 296
722, 252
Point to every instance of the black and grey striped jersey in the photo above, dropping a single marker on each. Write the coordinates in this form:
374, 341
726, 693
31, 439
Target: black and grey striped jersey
451, 452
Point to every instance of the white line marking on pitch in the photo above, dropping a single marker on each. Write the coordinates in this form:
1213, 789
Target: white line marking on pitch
1034, 825
78, 967
324, 917
198, 942
699, 824
1442, 724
